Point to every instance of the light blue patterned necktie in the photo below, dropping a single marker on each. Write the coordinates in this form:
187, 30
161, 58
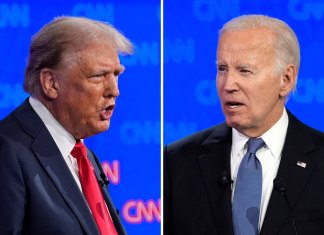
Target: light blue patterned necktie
248, 190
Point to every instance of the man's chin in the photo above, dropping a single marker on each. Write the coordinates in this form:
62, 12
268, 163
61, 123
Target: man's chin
97, 129
235, 124
232, 122
103, 126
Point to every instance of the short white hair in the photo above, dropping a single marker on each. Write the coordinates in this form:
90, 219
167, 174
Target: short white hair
286, 47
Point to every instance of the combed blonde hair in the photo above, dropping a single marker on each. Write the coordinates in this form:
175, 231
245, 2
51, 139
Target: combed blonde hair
63, 33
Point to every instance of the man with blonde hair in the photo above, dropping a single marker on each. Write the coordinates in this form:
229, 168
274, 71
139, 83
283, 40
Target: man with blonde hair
261, 171
50, 182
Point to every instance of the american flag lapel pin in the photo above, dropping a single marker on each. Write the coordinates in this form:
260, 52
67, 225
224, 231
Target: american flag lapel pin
301, 164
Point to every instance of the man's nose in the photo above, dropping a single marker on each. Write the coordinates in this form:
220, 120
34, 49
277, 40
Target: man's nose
231, 81
111, 86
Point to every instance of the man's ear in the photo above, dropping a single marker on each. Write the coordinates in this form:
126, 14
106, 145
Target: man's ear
49, 83
288, 80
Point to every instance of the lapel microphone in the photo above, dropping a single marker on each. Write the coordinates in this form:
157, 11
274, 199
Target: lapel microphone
104, 180
225, 179
278, 185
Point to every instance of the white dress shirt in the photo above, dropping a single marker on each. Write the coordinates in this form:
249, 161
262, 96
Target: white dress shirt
63, 139
269, 157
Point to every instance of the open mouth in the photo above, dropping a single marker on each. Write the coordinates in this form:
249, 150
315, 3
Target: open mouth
106, 113
233, 105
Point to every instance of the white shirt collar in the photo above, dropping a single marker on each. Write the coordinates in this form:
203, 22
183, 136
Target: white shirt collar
63, 139
274, 137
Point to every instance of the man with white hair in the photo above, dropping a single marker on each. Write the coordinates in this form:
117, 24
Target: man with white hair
261, 171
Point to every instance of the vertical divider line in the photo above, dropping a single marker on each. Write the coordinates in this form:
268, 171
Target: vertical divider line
162, 107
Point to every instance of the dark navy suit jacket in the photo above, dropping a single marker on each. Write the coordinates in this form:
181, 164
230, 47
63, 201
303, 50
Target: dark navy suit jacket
38, 194
198, 201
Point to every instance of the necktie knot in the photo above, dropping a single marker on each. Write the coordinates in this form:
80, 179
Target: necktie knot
79, 150
254, 144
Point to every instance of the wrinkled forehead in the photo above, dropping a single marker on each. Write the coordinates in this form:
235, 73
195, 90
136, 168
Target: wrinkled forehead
248, 46
246, 41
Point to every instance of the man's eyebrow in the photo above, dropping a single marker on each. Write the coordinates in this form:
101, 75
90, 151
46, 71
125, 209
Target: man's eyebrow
220, 63
121, 68
244, 66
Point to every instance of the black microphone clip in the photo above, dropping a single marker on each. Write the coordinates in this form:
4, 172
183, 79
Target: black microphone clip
225, 179
104, 180
278, 185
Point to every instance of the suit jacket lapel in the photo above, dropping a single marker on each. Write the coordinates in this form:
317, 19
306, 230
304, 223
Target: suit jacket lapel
214, 163
53, 163
294, 177
113, 213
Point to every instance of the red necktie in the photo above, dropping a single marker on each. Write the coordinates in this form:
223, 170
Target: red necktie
92, 191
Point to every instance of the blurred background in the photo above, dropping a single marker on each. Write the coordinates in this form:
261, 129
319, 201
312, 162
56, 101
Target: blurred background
130, 149
190, 40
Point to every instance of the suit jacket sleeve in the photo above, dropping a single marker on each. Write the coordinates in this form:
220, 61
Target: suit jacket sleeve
13, 192
166, 192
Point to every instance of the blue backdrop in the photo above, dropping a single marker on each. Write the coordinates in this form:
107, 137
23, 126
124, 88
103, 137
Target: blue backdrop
130, 150
190, 41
